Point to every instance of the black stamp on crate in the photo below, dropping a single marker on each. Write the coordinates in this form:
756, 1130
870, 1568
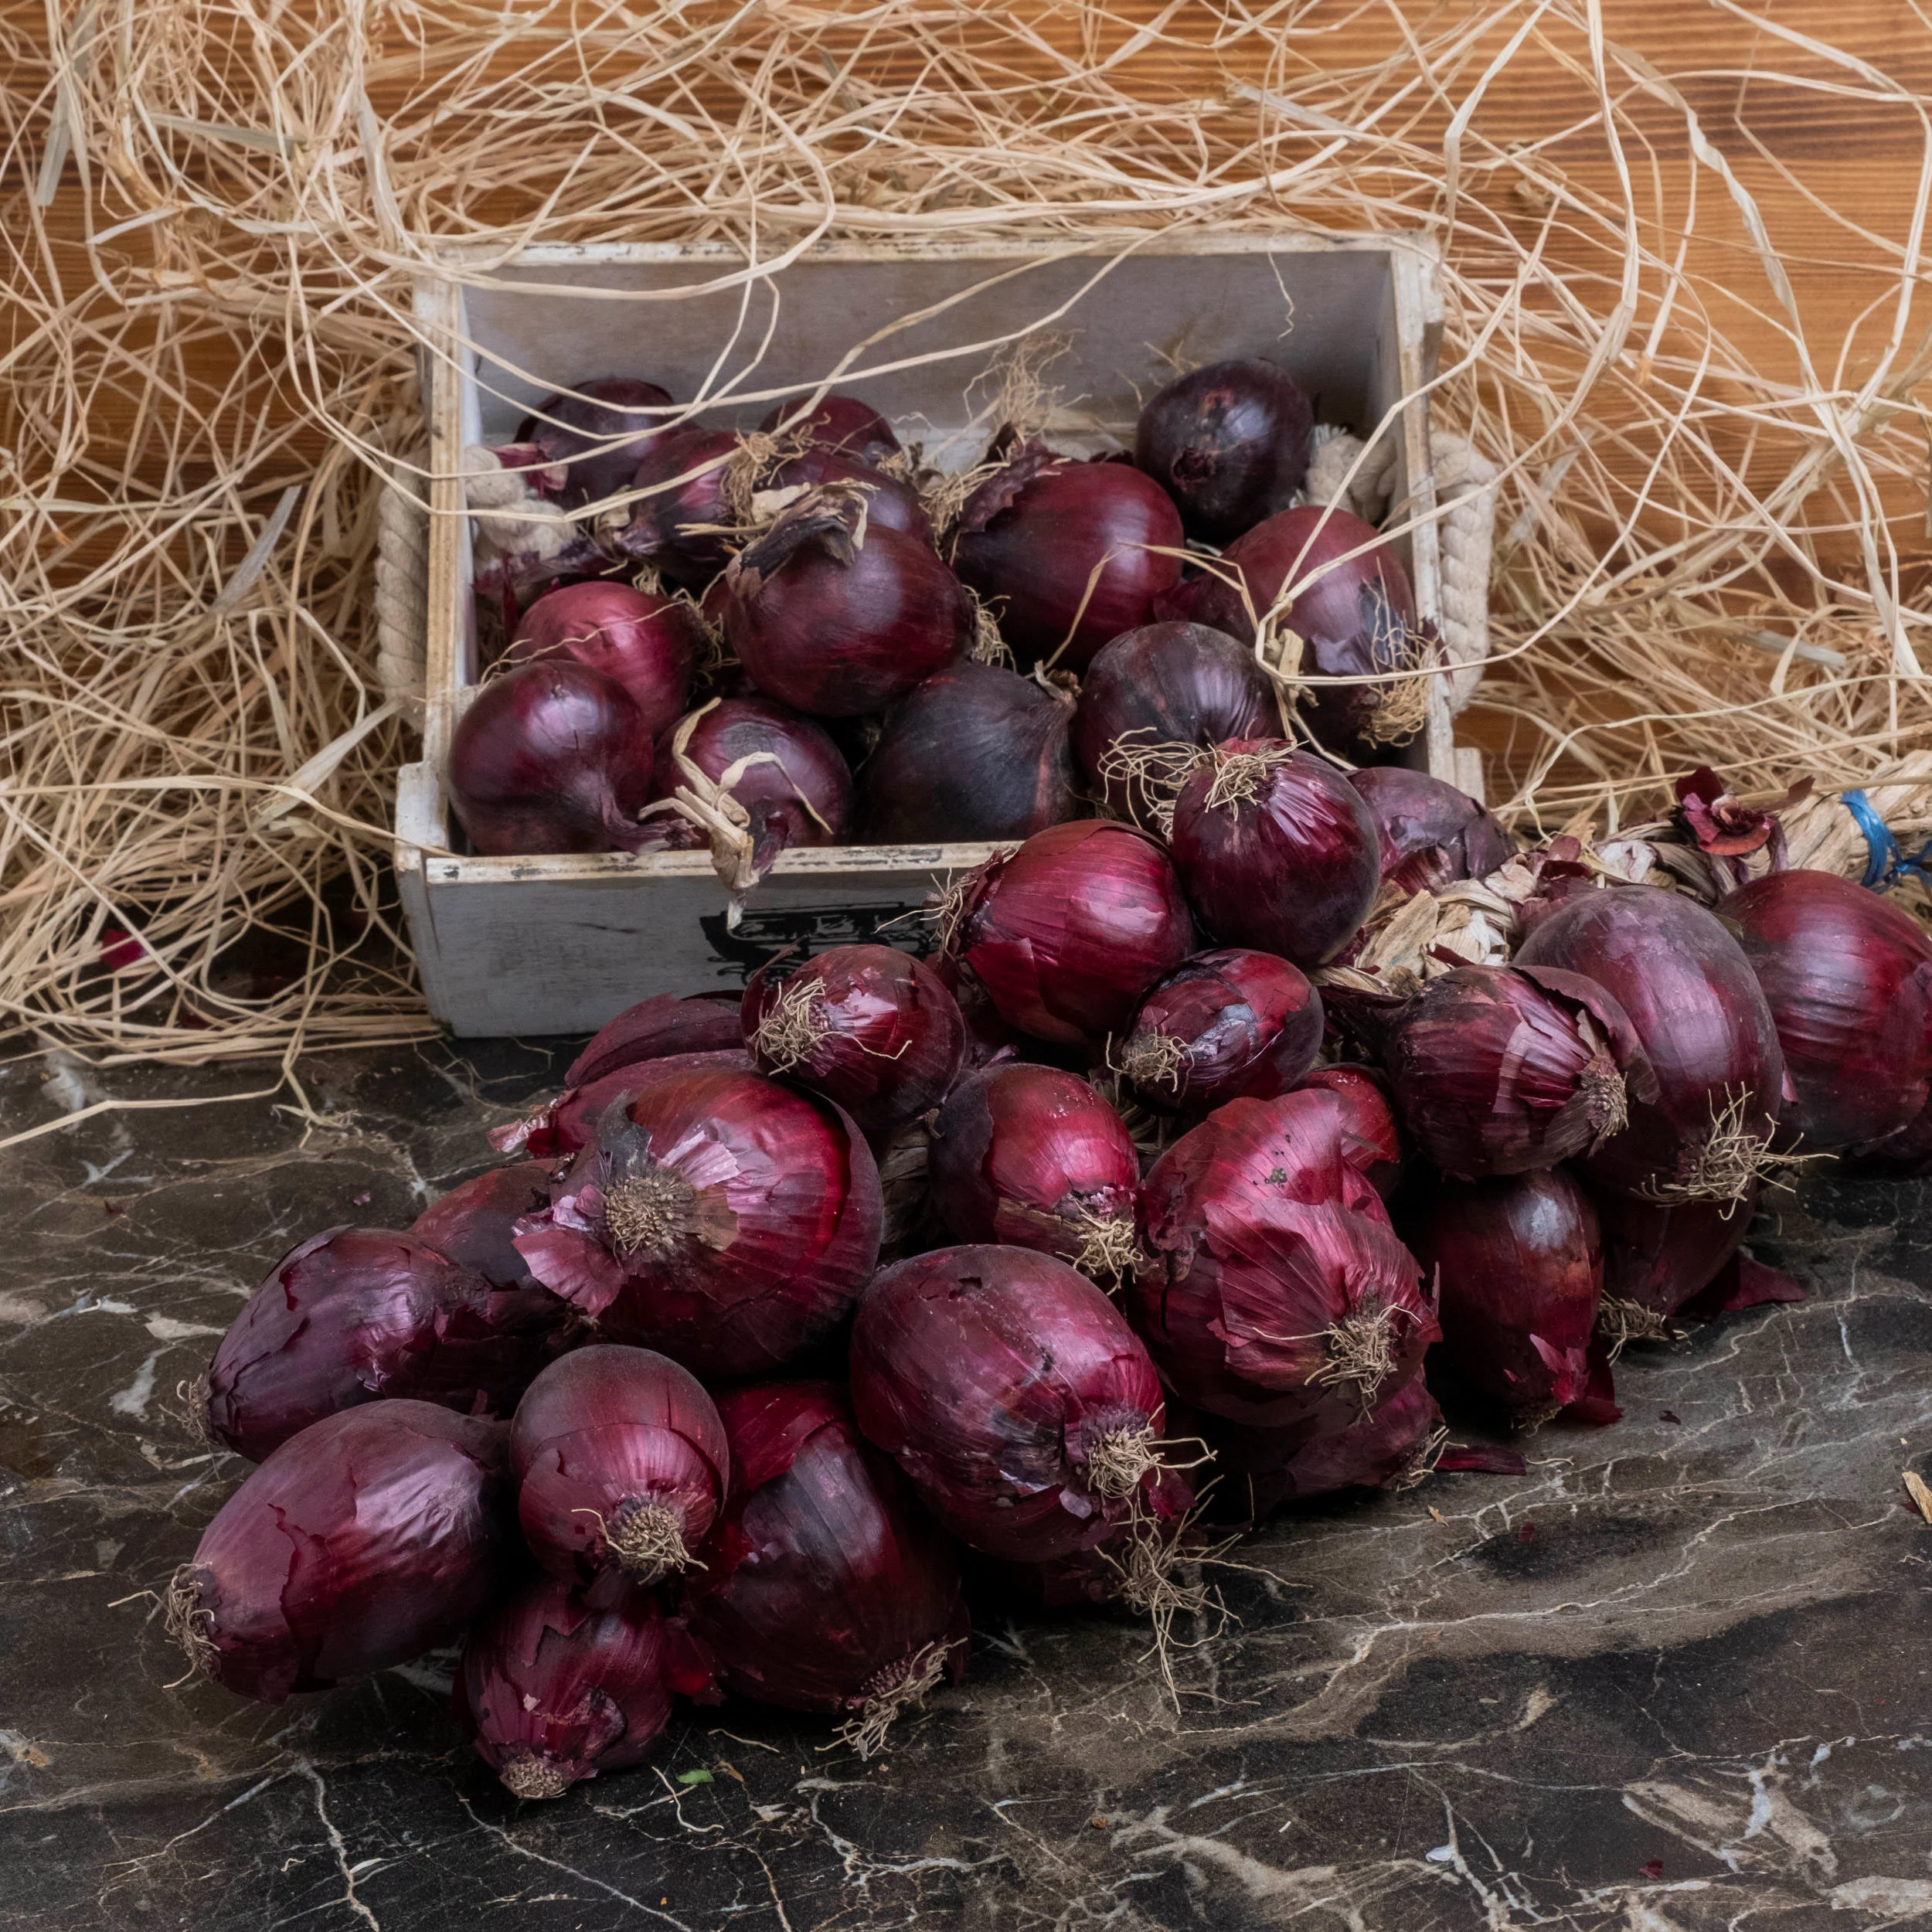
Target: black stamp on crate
761, 936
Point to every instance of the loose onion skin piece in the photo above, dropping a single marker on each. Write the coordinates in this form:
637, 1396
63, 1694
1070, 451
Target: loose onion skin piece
1275, 1292
475, 1224
1371, 1140
607, 411
891, 504
1277, 850
1034, 1158
648, 644
622, 1465
726, 1221
1227, 1025
664, 1024
355, 1315
551, 1692
975, 752
825, 1586
1069, 554
1431, 833
1689, 993
839, 423
553, 757
1066, 934
1848, 977
1519, 1265
371, 1537
869, 1028
1229, 443
1009, 1389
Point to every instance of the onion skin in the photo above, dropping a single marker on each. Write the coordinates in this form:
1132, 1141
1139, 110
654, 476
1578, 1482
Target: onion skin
662, 1025
994, 1375
1229, 443
475, 1223
1849, 979
1689, 993
603, 1435
839, 423
973, 752
1068, 932
553, 757
824, 1582
838, 617
1033, 535
1497, 1069
1659, 1257
355, 1315
551, 1692
648, 644
568, 1123
602, 409
1431, 833
1165, 684
1034, 1158
890, 505
1242, 1025
1275, 1292
1289, 864
371, 1537
1519, 1268
1371, 1140
871, 1029
697, 479
746, 1220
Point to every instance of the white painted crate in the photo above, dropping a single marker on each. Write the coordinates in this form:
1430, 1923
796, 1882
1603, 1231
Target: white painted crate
559, 945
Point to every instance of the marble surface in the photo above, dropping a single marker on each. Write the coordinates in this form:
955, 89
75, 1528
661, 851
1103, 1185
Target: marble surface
1674, 1678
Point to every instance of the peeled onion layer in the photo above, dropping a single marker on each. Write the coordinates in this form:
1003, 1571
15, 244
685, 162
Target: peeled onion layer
648, 644
1431, 834
475, 1224
1372, 1141
1229, 443
599, 432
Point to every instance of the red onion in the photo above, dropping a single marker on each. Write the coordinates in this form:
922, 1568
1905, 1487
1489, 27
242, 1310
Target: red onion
1022, 1406
1658, 1258
1229, 443
1274, 1289
1355, 619
552, 1692
838, 616
975, 752
1370, 1141
1152, 700
1519, 1269
1497, 1069
1070, 554
664, 1024
727, 1221
1906, 1153
1034, 1158
568, 1122
1432, 835
621, 1464
356, 1315
369, 1538
473, 1225
1066, 934
868, 1027
1690, 995
840, 423
1277, 850
825, 1586
700, 484
647, 644
1222, 1025
890, 503
600, 432
552, 757
1848, 977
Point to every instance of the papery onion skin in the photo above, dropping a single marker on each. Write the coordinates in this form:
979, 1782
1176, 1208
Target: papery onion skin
1226, 1025
840, 423
869, 1027
698, 490
891, 504
1689, 993
1165, 685
355, 1315
551, 1692
371, 1537
1034, 1158
1069, 554
604, 408
975, 752
994, 1375
1659, 1255
1277, 850
1848, 977
1519, 1267
824, 1582
664, 1024
568, 1122
1372, 1137
475, 1223
1497, 1069
1066, 934
1274, 1291
552, 757
719, 1218
1431, 833
620, 1463
1229, 443
648, 644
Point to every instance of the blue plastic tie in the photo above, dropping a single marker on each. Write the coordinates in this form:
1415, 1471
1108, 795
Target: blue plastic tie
1885, 864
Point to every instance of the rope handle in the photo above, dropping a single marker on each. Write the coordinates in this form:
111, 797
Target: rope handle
402, 592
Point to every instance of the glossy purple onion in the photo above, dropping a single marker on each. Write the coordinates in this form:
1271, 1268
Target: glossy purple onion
1657, 1256
1223, 1025
890, 503
662, 1025
839, 423
1431, 833
599, 432
1229, 443
699, 482
648, 644
567, 1122
1371, 1140
475, 1224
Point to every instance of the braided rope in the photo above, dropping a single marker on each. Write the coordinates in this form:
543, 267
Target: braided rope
402, 585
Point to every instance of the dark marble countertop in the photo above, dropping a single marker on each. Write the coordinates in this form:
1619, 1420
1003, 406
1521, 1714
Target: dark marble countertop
1674, 1678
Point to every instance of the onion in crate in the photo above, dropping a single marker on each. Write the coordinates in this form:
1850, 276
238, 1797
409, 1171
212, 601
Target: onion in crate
1223, 1025
698, 490
1431, 833
891, 504
1229, 443
647, 643
840, 423
600, 431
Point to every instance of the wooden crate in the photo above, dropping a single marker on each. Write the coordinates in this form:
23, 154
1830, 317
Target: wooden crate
558, 944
